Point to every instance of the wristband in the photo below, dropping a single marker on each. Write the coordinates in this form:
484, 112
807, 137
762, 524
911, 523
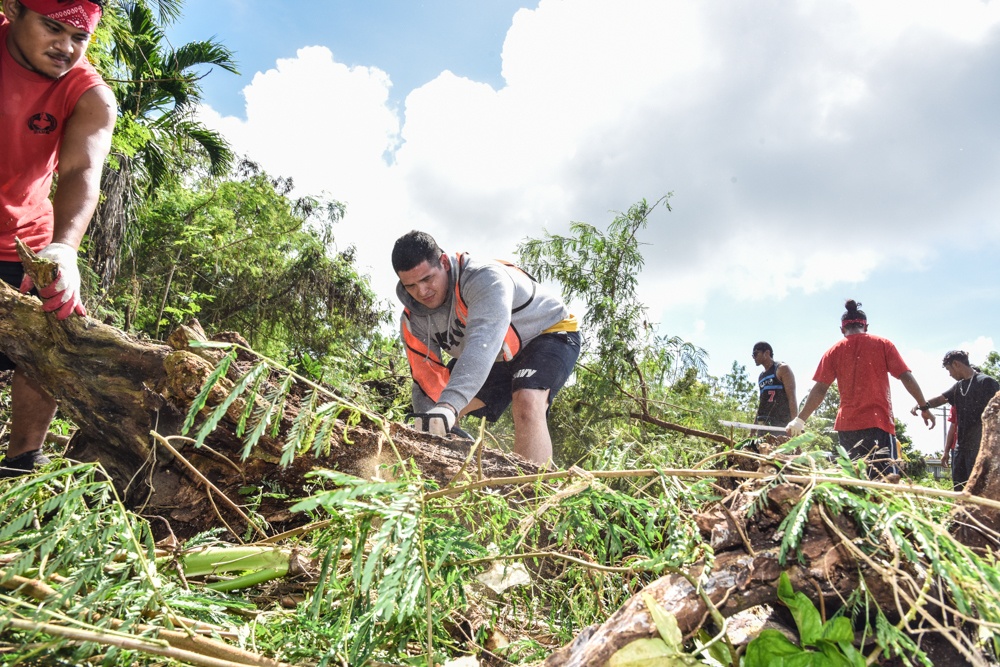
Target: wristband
925, 407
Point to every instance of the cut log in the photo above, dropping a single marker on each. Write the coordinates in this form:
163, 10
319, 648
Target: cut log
118, 390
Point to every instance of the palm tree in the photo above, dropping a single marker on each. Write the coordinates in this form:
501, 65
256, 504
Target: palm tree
157, 137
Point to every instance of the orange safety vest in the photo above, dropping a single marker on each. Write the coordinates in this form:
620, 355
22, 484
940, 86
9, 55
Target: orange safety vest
427, 369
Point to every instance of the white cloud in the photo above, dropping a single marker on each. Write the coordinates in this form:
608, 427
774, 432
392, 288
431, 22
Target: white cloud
329, 127
969, 20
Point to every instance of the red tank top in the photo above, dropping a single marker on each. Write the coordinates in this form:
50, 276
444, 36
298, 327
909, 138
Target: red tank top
33, 114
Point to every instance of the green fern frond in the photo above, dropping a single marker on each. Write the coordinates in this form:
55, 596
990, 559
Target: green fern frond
220, 411
299, 429
251, 407
199, 401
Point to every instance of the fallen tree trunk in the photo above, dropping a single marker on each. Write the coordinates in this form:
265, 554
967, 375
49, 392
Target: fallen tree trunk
119, 390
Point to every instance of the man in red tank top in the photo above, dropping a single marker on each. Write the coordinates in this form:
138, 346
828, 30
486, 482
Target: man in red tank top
56, 115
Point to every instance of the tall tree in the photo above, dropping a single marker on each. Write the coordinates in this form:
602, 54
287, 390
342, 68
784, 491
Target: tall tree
602, 269
628, 372
157, 138
992, 364
738, 388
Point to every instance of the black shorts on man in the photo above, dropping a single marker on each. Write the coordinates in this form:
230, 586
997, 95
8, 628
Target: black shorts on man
544, 363
875, 446
11, 273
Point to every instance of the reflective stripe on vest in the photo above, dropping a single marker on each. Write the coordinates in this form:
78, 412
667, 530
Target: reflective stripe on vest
426, 368
511, 340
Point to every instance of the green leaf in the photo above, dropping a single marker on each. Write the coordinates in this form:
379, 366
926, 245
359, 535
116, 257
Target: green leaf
833, 656
854, 657
807, 618
772, 649
838, 630
650, 653
666, 623
199, 401
719, 651
220, 411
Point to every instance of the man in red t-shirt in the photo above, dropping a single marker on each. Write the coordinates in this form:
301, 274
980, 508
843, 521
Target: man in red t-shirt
860, 364
56, 113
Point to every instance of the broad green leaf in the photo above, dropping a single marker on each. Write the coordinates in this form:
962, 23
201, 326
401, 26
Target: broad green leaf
770, 649
666, 623
838, 630
833, 655
806, 616
856, 658
650, 653
719, 651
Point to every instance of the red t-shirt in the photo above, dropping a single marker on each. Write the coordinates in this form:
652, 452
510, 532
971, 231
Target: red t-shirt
33, 113
861, 365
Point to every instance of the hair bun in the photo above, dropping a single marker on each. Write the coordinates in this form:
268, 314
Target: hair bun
852, 306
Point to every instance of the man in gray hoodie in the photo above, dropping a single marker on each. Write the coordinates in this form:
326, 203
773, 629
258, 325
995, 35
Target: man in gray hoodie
479, 336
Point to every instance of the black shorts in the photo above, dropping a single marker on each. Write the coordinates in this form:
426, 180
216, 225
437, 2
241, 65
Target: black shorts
876, 446
11, 273
544, 363
962, 461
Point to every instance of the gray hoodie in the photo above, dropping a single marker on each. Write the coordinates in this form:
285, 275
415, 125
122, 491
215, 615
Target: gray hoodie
497, 297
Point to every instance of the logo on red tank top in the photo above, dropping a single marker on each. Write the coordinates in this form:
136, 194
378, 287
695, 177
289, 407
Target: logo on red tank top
43, 123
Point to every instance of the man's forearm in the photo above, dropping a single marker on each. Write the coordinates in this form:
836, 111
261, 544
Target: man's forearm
816, 396
911, 386
73, 206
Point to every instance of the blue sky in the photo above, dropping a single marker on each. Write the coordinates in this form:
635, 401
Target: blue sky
817, 150
465, 37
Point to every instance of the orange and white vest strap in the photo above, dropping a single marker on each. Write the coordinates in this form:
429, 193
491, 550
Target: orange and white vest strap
426, 367
511, 340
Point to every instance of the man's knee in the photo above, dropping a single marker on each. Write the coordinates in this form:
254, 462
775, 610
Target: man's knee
530, 403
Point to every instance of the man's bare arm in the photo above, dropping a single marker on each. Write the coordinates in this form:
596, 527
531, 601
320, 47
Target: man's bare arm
815, 398
911, 386
787, 378
85, 146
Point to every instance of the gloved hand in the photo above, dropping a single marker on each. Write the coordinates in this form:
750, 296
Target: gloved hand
795, 427
439, 420
63, 295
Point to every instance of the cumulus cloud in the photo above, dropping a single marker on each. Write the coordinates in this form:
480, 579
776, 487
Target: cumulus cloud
849, 130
